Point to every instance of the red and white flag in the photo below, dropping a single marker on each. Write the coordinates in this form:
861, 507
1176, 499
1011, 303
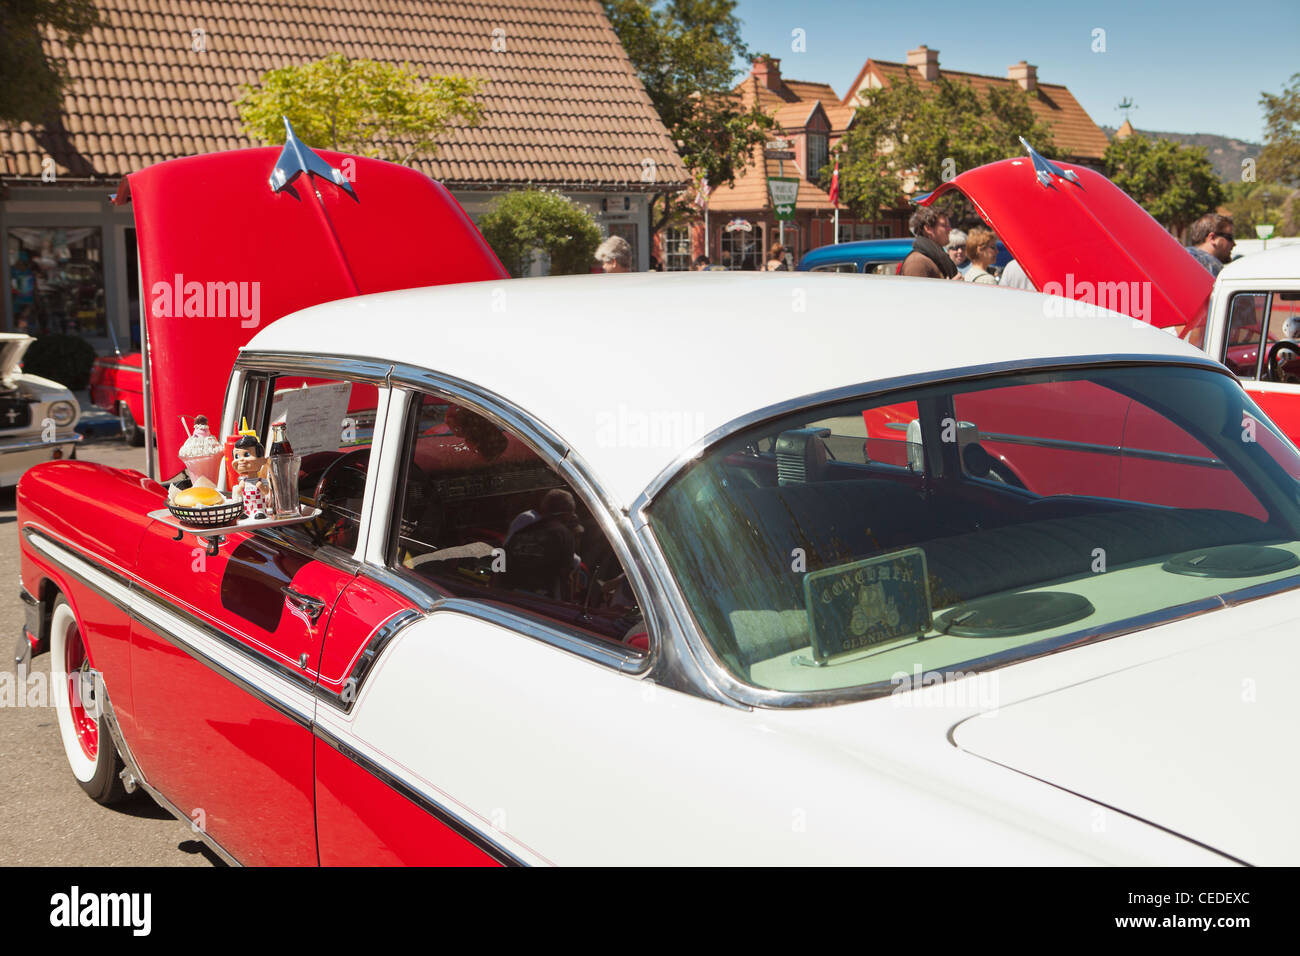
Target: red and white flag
835, 185
702, 193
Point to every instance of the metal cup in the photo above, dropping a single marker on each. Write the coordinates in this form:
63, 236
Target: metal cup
284, 485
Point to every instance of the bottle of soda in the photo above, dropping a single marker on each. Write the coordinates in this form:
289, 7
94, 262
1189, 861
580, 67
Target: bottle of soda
284, 472
279, 442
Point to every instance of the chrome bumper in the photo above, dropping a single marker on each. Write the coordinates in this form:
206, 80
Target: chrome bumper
29, 444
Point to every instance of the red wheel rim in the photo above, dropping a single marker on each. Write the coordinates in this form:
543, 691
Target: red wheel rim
75, 662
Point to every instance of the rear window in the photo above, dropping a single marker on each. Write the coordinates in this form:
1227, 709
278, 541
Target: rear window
957, 526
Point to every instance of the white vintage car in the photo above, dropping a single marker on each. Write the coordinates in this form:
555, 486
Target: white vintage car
695, 568
37, 416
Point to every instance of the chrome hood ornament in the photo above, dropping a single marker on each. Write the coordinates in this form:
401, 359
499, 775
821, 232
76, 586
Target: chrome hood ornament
1045, 169
297, 158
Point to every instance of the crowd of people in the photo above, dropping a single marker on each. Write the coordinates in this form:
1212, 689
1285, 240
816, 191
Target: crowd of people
942, 252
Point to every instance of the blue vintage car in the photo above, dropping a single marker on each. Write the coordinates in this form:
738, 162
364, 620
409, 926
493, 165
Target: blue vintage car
878, 256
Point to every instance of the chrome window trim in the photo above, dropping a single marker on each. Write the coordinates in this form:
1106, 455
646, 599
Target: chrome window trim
884, 386
353, 368
741, 693
373, 505
538, 629
552, 449
356, 678
1062, 444
345, 369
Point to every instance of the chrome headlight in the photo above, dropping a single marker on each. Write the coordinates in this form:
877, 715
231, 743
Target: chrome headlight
63, 413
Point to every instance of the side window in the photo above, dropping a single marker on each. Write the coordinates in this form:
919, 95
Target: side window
330, 424
1283, 325
1247, 312
481, 516
836, 267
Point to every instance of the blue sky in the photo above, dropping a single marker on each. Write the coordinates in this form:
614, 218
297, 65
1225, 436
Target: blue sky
1191, 67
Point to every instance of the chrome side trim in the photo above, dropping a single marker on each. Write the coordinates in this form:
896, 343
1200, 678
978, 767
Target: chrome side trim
286, 692
31, 443
884, 386
419, 798
262, 686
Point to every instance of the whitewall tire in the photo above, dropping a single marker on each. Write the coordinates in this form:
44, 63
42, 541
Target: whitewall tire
78, 706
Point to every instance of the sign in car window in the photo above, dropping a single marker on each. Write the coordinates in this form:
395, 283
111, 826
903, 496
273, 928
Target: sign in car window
864, 604
314, 415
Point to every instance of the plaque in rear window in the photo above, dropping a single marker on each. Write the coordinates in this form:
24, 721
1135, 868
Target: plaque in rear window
864, 604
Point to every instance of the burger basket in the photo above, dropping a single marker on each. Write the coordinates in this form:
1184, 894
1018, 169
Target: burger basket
213, 516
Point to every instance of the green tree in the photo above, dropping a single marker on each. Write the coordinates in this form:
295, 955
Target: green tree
1174, 183
1254, 204
1279, 160
684, 51
359, 106
905, 133
31, 85
517, 223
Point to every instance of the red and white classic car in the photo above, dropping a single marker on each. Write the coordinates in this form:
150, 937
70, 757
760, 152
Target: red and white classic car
610, 568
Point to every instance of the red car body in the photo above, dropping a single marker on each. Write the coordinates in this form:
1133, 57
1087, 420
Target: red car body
206, 747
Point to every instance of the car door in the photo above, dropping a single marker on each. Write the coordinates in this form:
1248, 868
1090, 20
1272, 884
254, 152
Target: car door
1256, 322
226, 651
490, 559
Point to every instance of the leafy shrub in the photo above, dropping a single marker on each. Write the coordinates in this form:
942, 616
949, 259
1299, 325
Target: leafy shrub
518, 222
65, 359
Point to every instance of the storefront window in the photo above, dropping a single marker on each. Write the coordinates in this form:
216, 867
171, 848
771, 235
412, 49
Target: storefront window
56, 280
742, 248
677, 249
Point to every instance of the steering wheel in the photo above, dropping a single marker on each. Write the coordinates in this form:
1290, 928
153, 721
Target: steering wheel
1275, 374
354, 464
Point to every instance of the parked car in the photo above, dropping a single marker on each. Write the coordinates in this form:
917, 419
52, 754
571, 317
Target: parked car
38, 417
582, 595
1253, 327
869, 256
117, 386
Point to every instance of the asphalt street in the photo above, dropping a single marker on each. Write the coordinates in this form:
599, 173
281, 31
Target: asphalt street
45, 817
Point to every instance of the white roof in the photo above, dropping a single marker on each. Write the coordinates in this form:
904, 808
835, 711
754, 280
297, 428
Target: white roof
632, 369
1280, 262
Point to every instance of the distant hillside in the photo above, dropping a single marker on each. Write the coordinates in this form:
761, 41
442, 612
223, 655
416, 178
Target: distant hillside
1225, 152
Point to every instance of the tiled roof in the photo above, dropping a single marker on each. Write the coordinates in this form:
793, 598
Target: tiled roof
798, 96
1074, 132
749, 191
562, 103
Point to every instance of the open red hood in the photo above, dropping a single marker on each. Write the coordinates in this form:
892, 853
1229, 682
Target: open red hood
1071, 229
222, 254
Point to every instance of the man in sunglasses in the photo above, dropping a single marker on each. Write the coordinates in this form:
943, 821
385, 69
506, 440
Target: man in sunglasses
1211, 241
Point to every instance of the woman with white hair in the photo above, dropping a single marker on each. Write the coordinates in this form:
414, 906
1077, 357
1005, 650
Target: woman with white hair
615, 255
